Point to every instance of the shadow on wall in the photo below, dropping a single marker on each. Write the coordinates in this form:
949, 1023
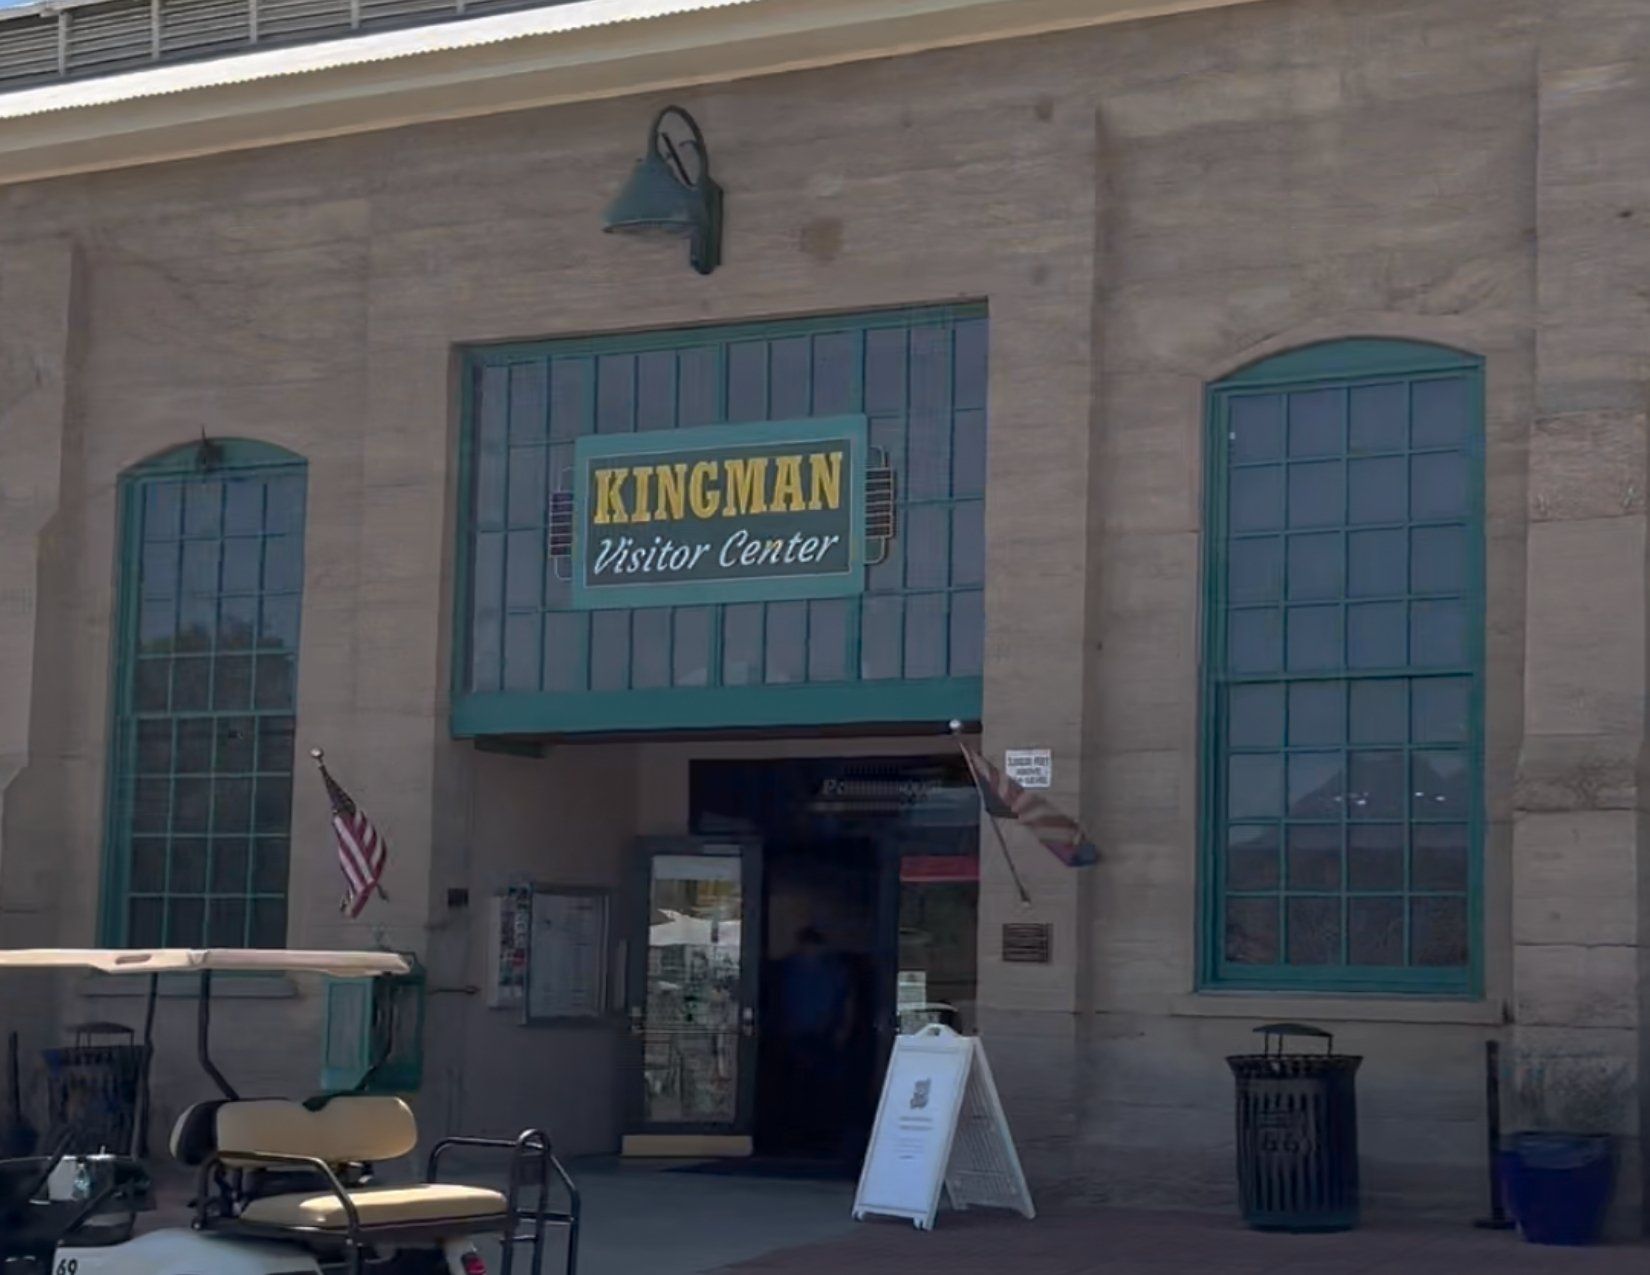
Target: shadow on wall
562, 1079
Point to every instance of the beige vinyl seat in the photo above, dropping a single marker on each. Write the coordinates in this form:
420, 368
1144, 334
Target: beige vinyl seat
347, 1129
377, 1206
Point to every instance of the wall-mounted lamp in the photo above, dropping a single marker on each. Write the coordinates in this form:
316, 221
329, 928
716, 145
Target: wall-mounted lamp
670, 191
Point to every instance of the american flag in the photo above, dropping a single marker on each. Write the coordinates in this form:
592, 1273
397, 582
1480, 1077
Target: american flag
1005, 799
362, 852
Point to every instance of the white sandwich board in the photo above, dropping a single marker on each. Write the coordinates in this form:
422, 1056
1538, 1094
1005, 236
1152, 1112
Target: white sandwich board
939, 1125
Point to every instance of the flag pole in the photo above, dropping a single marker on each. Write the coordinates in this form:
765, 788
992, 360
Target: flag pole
996, 828
320, 756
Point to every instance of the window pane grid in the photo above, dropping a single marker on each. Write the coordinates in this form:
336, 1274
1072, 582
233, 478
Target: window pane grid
1400, 453
921, 385
202, 786
1344, 685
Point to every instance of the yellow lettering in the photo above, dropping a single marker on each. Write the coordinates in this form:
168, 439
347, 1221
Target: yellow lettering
672, 488
610, 496
747, 483
704, 499
643, 479
825, 473
787, 484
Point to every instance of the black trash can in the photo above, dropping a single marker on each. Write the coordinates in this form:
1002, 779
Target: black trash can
92, 1089
1297, 1134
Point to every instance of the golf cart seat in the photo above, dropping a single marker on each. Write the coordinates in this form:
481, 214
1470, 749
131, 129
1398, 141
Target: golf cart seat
439, 1202
195, 1133
294, 1174
320, 1141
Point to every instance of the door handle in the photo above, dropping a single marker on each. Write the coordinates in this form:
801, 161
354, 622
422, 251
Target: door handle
747, 1020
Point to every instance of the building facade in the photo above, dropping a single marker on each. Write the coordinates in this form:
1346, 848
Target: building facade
1243, 402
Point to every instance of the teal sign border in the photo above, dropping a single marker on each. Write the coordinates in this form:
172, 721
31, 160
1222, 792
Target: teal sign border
817, 429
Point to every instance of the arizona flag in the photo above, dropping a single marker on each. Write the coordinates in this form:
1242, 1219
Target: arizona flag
362, 852
1005, 799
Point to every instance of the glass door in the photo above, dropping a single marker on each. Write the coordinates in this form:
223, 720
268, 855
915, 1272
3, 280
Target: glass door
694, 962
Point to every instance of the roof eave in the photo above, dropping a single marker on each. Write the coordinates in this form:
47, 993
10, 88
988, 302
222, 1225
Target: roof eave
487, 65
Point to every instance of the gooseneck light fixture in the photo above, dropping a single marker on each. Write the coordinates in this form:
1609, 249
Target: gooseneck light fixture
670, 191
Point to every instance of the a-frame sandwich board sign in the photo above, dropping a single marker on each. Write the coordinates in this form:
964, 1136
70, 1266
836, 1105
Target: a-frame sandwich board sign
939, 1124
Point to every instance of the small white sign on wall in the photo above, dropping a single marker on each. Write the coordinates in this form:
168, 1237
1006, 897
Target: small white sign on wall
1030, 767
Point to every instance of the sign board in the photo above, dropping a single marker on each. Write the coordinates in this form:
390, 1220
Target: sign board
567, 955
939, 869
1030, 767
1027, 943
720, 513
512, 918
550, 952
940, 1124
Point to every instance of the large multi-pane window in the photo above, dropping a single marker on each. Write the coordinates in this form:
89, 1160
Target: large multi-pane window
1344, 670
211, 586
530, 661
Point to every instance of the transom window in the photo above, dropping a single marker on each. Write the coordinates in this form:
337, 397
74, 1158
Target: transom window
211, 588
1344, 670
910, 647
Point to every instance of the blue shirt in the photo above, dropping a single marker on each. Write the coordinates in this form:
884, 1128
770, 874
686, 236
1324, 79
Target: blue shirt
813, 994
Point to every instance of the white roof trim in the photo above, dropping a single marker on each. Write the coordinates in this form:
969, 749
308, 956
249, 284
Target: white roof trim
506, 62
438, 37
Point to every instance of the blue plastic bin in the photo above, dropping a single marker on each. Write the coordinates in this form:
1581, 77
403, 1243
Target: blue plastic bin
1559, 1185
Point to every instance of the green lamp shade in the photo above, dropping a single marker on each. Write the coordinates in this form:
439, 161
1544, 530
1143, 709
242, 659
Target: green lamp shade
653, 201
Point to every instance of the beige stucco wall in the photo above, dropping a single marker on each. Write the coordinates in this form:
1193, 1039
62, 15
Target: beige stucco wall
563, 820
1324, 172
1144, 208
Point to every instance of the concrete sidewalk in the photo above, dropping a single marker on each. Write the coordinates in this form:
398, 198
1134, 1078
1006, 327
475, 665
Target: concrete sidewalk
1130, 1242
646, 1219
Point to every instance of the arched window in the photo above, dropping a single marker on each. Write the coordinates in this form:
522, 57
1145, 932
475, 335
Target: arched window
206, 644
1343, 670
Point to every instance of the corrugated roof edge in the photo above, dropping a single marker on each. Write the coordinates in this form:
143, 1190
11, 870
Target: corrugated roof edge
582, 50
43, 8
242, 68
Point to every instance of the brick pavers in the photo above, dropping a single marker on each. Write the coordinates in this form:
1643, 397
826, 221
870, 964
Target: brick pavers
1072, 1241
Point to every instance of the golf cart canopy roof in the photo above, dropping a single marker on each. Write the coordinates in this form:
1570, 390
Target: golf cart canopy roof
182, 960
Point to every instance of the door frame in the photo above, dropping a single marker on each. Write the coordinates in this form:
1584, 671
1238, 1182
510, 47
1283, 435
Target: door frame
885, 1016
692, 1138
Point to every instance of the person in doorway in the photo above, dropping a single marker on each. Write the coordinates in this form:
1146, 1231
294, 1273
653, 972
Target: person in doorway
816, 1012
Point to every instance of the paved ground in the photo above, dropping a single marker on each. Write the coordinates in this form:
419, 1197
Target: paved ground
647, 1219
1127, 1242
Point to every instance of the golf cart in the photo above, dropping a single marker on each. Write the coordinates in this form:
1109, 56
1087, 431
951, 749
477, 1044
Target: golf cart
283, 1187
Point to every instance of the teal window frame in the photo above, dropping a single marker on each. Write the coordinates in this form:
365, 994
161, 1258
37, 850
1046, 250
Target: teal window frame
269, 751
1338, 365
717, 704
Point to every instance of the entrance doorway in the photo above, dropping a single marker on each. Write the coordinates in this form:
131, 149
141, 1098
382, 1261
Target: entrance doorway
837, 894
825, 993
